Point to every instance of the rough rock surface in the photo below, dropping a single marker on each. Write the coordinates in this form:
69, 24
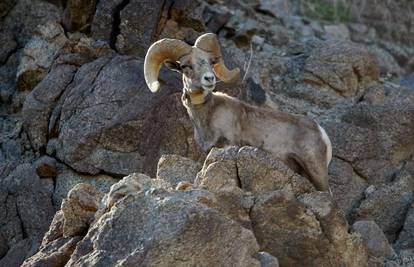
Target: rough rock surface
139, 224
67, 179
376, 241
38, 55
158, 225
79, 209
343, 67
406, 236
26, 212
387, 205
113, 123
78, 14
85, 116
175, 169
310, 225
26, 15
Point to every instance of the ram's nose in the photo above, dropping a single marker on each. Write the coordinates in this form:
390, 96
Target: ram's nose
209, 78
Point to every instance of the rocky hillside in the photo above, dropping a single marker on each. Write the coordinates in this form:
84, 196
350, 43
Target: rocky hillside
81, 135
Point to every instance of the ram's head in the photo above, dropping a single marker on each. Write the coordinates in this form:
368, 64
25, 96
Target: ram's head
200, 64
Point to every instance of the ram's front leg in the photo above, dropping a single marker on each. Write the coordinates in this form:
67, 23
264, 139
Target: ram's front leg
207, 140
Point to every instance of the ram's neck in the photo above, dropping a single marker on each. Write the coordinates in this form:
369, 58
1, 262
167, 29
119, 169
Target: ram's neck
201, 116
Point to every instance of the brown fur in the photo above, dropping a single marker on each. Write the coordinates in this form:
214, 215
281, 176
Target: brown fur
299, 143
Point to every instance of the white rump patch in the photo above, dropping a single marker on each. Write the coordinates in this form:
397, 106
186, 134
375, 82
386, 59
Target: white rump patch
326, 140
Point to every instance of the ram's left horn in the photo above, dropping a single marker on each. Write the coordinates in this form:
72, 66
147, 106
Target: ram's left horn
165, 49
208, 42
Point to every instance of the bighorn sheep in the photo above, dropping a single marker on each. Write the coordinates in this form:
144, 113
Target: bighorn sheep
298, 141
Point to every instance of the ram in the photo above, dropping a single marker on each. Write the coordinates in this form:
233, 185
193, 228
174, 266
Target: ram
298, 141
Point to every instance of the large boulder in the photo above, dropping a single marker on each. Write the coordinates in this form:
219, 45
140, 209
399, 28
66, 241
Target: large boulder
38, 117
223, 213
166, 228
305, 231
111, 128
86, 129
370, 138
341, 66
387, 205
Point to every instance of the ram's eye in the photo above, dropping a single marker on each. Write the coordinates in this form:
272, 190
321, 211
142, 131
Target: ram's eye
214, 61
187, 67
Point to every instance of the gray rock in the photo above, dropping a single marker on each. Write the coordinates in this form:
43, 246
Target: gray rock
175, 169
33, 200
136, 35
276, 8
79, 209
55, 229
406, 235
103, 19
164, 229
17, 254
120, 24
6, 6
111, 128
38, 55
370, 138
3, 246
267, 260
129, 185
26, 15
9, 45
78, 15
408, 81
344, 67
56, 253
297, 231
407, 257
40, 109
388, 205
347, 186
387, 63
375, 239
250, 169
67, 179
10, 221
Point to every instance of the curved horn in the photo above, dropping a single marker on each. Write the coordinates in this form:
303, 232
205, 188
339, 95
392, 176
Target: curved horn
209, 43
156, 55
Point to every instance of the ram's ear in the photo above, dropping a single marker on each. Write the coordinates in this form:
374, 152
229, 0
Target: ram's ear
173, 65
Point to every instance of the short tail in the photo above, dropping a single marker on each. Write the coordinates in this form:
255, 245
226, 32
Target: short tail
328, 144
